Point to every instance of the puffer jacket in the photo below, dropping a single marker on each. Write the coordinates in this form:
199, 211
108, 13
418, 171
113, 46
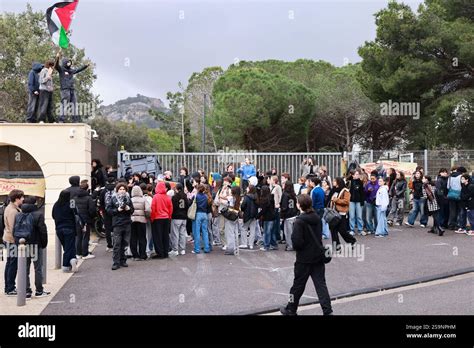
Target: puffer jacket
86, 207
141, 206
161, 206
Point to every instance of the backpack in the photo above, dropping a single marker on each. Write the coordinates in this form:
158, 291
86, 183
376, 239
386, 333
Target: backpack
24, 227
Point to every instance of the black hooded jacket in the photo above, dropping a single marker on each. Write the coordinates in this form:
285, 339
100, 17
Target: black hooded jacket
66, 74
33, 77
357, 191
86, 207
308, 249
74, 189
40, 232
249, 207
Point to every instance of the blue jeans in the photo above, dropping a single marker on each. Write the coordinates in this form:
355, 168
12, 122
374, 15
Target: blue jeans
201, 226
11, 266
67, 237
418, 207
371, 216
381, 222
276, 225
355, 212
269, 237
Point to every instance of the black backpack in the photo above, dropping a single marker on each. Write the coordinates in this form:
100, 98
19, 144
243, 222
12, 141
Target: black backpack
24, 227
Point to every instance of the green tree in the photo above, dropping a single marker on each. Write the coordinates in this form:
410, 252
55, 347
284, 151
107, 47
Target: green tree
24, 39
421, 57
259, 110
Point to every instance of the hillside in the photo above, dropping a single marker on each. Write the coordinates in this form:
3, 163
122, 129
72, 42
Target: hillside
134, 110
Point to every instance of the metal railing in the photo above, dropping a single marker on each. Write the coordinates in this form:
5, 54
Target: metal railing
284, 162
290, 162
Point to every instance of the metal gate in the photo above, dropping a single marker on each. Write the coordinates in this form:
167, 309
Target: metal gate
217, 161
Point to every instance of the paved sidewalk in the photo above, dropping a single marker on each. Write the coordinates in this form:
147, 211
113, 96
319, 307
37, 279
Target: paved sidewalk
220, 284
55, 280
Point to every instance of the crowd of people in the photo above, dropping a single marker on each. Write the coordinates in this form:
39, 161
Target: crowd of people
155, 217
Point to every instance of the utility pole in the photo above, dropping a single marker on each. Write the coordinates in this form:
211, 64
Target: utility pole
204, 126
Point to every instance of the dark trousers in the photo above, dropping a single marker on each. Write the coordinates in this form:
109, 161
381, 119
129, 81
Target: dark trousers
82, 240
37, 257
189, 227
68, 105
302, 272
108, 230
121, 238
32, 108
67, 237
11, 266
46, 106
276, 225
454, 208
160, 230
341, 229
443, 212
138, 240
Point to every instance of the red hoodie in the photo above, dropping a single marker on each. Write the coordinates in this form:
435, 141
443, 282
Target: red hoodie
161, 206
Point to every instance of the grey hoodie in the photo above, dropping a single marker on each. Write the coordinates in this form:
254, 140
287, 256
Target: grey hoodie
45, 80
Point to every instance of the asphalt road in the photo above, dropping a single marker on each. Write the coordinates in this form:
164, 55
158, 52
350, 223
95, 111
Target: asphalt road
254, 281
449, 296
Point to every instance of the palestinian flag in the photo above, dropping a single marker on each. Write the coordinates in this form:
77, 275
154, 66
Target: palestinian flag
59, 18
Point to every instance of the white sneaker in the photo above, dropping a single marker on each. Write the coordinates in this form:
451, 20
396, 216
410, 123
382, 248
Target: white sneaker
182, 252
90, 256
109, 250
460, 231
422, 226
251, 247
364, 233
224, 247
78, 257
73, 265
173, 253
243, 246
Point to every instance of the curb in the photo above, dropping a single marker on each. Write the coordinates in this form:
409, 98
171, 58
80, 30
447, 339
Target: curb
369, 290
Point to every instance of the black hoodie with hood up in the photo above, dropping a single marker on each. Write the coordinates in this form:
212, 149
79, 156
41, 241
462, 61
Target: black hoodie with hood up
309, 249
66, 74
74, 190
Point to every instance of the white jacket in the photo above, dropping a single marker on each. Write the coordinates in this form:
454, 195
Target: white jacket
382, 199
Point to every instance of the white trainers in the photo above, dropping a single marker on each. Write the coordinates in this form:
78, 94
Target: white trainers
173, 253
422, 226
224, 247
90, 256
364, 233
182, 252
109, 250
78, 257
73, 265
243, 246
460, 231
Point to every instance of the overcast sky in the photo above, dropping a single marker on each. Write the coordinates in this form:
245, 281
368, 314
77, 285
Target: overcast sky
147, 47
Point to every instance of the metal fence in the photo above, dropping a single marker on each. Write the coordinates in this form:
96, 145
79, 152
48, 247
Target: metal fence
289, 162
431, 160
217, 162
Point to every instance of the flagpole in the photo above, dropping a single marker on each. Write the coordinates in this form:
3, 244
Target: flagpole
56, 60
